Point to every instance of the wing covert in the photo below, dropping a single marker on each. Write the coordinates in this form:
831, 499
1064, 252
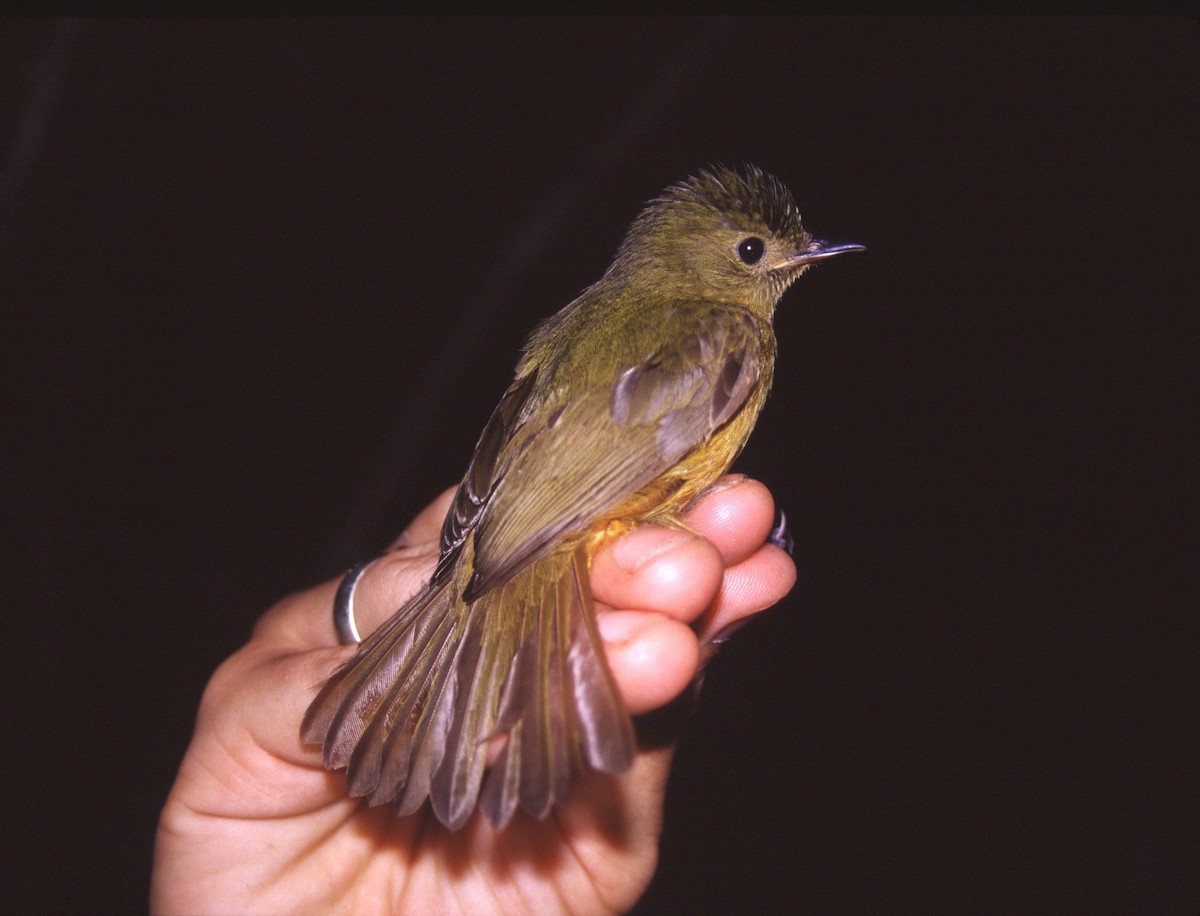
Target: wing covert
562, 471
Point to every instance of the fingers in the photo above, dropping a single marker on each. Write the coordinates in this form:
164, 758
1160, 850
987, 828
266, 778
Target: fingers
680, 573
304, 620
652, 656
676, 593
669, 570
755, 584
388, 582
250, 713
737, 517
737, 514
664, 594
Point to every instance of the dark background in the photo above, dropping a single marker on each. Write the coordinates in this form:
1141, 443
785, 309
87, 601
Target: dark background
262, 283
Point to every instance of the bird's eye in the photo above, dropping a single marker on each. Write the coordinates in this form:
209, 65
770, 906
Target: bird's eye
751, 250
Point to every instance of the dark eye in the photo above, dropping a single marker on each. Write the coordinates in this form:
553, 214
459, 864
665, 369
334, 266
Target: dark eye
751, 250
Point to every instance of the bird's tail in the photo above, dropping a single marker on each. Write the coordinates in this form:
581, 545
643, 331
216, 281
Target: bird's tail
412, 715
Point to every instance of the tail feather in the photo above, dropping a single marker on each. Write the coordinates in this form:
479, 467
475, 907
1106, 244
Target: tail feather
502, 791
427, 748
455, 784
604, 725
328, 720
382, 759
560, 705
411, 715
544, 765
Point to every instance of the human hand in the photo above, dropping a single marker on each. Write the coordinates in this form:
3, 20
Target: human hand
254, 823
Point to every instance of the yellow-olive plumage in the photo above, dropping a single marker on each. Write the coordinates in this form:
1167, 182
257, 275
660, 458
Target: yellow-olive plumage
626, 405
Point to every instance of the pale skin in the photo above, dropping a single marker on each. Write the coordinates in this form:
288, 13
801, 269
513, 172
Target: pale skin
255, 824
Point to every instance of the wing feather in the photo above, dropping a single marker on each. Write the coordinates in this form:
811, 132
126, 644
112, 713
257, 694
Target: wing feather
559, 477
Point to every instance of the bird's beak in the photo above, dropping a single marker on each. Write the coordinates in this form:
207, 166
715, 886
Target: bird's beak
818, 250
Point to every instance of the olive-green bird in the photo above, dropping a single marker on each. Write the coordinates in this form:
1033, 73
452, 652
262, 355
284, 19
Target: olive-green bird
626, 405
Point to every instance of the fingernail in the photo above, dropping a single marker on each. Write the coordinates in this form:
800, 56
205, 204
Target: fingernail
728, 482
615, 629
632, 553
726, 633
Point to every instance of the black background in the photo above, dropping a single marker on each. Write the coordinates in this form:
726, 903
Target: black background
262, 283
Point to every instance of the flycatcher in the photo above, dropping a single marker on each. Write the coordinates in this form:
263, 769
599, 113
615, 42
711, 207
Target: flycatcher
626, 405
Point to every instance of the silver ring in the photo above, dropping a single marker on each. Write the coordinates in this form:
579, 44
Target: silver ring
780, 536
343, 604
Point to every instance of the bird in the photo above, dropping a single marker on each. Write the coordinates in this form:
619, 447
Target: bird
626, 405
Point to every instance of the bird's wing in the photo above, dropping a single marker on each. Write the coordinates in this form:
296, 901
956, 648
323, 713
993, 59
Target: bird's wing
493, 454
541, 473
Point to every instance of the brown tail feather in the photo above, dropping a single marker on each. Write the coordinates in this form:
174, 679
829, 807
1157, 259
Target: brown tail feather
411, 714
